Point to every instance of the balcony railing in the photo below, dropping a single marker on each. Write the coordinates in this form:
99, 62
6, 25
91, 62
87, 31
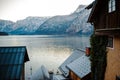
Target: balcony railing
112, 20
109, 21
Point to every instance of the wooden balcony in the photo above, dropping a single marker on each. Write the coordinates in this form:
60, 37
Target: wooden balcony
113, 20
108, 24
110, 21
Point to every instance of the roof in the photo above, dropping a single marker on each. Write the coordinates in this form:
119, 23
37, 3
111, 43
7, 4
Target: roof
90, 5
76, 54
11, 62
81, 66
95, 9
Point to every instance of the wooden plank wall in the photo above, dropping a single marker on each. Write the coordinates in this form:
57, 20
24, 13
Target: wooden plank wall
74, 76
106, 19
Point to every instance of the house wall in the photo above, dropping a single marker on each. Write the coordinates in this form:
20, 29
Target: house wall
118, 5
100, 16
104, 19
74, 76
23, 73
113, 60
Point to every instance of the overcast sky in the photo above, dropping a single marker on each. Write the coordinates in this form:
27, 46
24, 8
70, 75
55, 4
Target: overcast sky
20, 9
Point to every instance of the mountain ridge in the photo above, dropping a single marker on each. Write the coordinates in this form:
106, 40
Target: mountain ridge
56, 25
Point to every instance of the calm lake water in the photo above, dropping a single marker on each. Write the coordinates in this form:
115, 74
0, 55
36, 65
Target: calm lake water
50, 51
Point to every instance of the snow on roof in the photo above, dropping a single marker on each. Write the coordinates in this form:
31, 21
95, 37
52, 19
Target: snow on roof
81, 66
76, 54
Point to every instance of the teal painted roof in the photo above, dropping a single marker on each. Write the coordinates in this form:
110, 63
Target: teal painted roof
11, 61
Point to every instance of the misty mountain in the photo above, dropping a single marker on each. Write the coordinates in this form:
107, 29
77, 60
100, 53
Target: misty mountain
6, 26
74, 23
80, 25
28, 25
56, 24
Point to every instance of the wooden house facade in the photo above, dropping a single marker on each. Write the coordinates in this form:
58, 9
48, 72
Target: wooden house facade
73, 76
80, 69
76, 66
105, 17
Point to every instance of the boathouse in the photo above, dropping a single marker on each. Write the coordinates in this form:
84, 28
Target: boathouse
77, 66
12, 61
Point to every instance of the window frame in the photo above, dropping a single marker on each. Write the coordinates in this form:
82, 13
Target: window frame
111, 6
109, 45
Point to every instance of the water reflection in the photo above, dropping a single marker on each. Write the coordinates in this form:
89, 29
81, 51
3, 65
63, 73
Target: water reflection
49, 51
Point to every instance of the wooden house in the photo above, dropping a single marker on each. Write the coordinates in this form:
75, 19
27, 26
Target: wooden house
76, 66
12, 61
63, 67
80, 69
105, 17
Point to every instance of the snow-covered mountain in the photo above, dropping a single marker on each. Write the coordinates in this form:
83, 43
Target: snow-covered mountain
56, 24
80, 25
75, 23
28, 25
80, 8
6, 26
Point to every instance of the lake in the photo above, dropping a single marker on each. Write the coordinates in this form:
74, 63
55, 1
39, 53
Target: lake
47, 50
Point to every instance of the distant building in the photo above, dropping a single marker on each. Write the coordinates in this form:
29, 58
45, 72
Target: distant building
12, 61
76, 67
105, 16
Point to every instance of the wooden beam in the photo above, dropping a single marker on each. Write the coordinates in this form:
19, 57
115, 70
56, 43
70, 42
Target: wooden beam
107, 32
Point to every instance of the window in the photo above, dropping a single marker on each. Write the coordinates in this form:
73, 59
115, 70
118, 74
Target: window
111, 6
110, 42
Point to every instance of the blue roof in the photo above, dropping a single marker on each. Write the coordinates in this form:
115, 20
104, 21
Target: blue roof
81, 66
11, 62
75, 55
